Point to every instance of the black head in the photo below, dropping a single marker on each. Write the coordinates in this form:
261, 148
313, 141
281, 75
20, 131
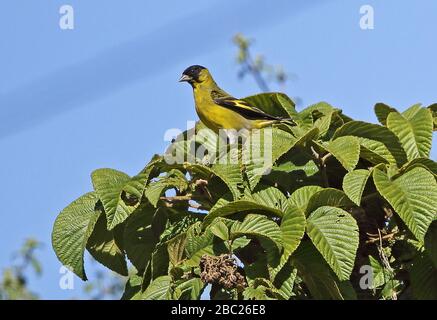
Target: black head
192, 74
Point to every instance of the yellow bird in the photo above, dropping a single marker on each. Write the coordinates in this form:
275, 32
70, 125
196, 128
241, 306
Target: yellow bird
219, 110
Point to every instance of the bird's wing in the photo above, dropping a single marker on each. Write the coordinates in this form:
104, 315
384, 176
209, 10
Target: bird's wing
243, 108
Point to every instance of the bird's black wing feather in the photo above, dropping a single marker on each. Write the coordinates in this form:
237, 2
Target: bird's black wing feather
244, 109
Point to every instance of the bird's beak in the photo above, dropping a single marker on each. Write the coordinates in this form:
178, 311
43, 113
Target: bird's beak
185, 78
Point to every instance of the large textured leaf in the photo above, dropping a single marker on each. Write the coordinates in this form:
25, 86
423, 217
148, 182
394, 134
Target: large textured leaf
412, 111
302, 196
104, 246
328, 197
132, 289
310, 114
382, 111
321, 281
380, 275
346, 150
176, 248
139, 235
220, 229
175, 179
267, 200
190, 289
284, 281
335, 235
198, 244
415, 133
270, 103
295, 170
258, 226
423, 277
287, 104
159, 289
71, 231
230, 174
264, 149
426, 163
354, 183
292, 227
377, 133
413, 196
112, 186
375, 152
160, 261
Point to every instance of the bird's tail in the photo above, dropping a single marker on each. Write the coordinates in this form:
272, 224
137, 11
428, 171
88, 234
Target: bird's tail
288, 121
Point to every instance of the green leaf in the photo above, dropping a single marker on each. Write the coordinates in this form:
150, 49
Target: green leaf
159, 289
113, 188
322, 283
176, 249
423, 276
328, 197
412, 111
220, 229
230, 174
258, 293
287, 104
292, 227
140, 236
159, 264
284, 280
132, 289
346, 150
302, 196
354, 183
303, 136
413, 196
415, 134
104, 246
308, 116
335, 235
296, 169
71, 231
380, 275
382, 111
426, 163
190, 289
258, 226
174, 179
267, 200
269, 103
376, 133
375, 152
199, 243
261, 159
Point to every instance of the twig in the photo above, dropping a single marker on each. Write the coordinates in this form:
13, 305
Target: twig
321, 163
325, 157
177, 198
384, 237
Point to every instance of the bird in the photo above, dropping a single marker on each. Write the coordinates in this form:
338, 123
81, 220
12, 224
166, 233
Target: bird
219, 110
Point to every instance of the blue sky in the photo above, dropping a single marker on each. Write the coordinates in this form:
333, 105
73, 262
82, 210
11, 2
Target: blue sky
103, 94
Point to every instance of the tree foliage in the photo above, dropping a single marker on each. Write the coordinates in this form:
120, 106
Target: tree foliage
338, 195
